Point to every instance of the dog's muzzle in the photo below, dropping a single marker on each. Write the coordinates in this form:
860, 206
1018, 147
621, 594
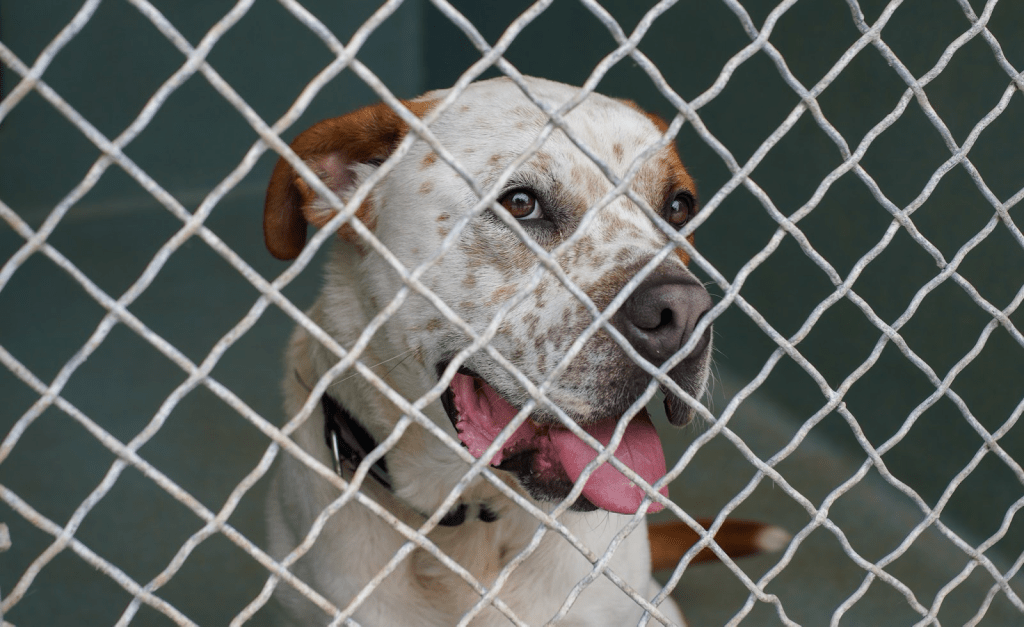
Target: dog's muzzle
549, 458
658, 319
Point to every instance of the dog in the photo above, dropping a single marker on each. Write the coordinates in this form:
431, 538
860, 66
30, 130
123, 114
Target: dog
487, 268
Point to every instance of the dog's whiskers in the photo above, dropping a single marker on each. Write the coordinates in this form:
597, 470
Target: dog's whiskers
406, 355
402, 356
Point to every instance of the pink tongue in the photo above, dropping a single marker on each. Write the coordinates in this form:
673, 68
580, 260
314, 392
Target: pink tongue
607, 488
483, 414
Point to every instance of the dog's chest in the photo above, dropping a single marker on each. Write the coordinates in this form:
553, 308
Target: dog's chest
482, 549
535, 588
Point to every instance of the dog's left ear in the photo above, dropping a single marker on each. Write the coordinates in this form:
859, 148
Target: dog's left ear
331, 148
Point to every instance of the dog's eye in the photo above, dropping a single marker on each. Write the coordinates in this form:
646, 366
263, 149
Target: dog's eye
680, 209
522, 204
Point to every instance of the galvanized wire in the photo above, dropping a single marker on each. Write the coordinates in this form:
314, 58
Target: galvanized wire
548, 263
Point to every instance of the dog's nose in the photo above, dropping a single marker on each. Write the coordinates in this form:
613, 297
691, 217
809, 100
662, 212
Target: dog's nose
661, 314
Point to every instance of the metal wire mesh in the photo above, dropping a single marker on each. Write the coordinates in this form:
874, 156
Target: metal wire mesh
30, 78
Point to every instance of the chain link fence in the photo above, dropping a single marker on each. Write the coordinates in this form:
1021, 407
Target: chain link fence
26, 79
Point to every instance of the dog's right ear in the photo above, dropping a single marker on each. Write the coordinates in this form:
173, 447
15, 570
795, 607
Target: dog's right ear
330, 148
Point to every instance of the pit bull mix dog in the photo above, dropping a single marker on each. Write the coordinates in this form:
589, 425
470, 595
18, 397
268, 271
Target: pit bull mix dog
411, 211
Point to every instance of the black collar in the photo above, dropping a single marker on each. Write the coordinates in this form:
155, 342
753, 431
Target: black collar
348, 441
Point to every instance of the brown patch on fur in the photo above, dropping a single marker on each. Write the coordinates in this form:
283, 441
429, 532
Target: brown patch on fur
629, 103
365, 135
683, 256
614, 227
618, 151
677, 174
470, 281
543, 160
510, 259
368, 216
502, 294
433, 324
464, 108
678, 178
319, 216
426, 188
539, 293
496, 158
605, 289
588, 177
585, 247
428, 160
506, 328
443, 217
522, 260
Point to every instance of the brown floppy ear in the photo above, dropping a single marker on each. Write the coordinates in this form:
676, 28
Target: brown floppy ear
330, 148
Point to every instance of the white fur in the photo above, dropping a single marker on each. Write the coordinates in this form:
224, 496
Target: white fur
415, 206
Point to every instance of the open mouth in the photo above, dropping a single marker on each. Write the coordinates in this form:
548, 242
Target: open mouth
548, 458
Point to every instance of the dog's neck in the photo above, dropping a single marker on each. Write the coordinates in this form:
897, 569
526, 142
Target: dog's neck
349, 443
421, 470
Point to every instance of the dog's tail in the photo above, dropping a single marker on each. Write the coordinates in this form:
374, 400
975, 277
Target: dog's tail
671, 540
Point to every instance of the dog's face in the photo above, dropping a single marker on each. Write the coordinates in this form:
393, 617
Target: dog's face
489, 269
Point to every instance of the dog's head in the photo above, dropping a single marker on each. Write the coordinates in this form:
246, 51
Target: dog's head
555, 196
